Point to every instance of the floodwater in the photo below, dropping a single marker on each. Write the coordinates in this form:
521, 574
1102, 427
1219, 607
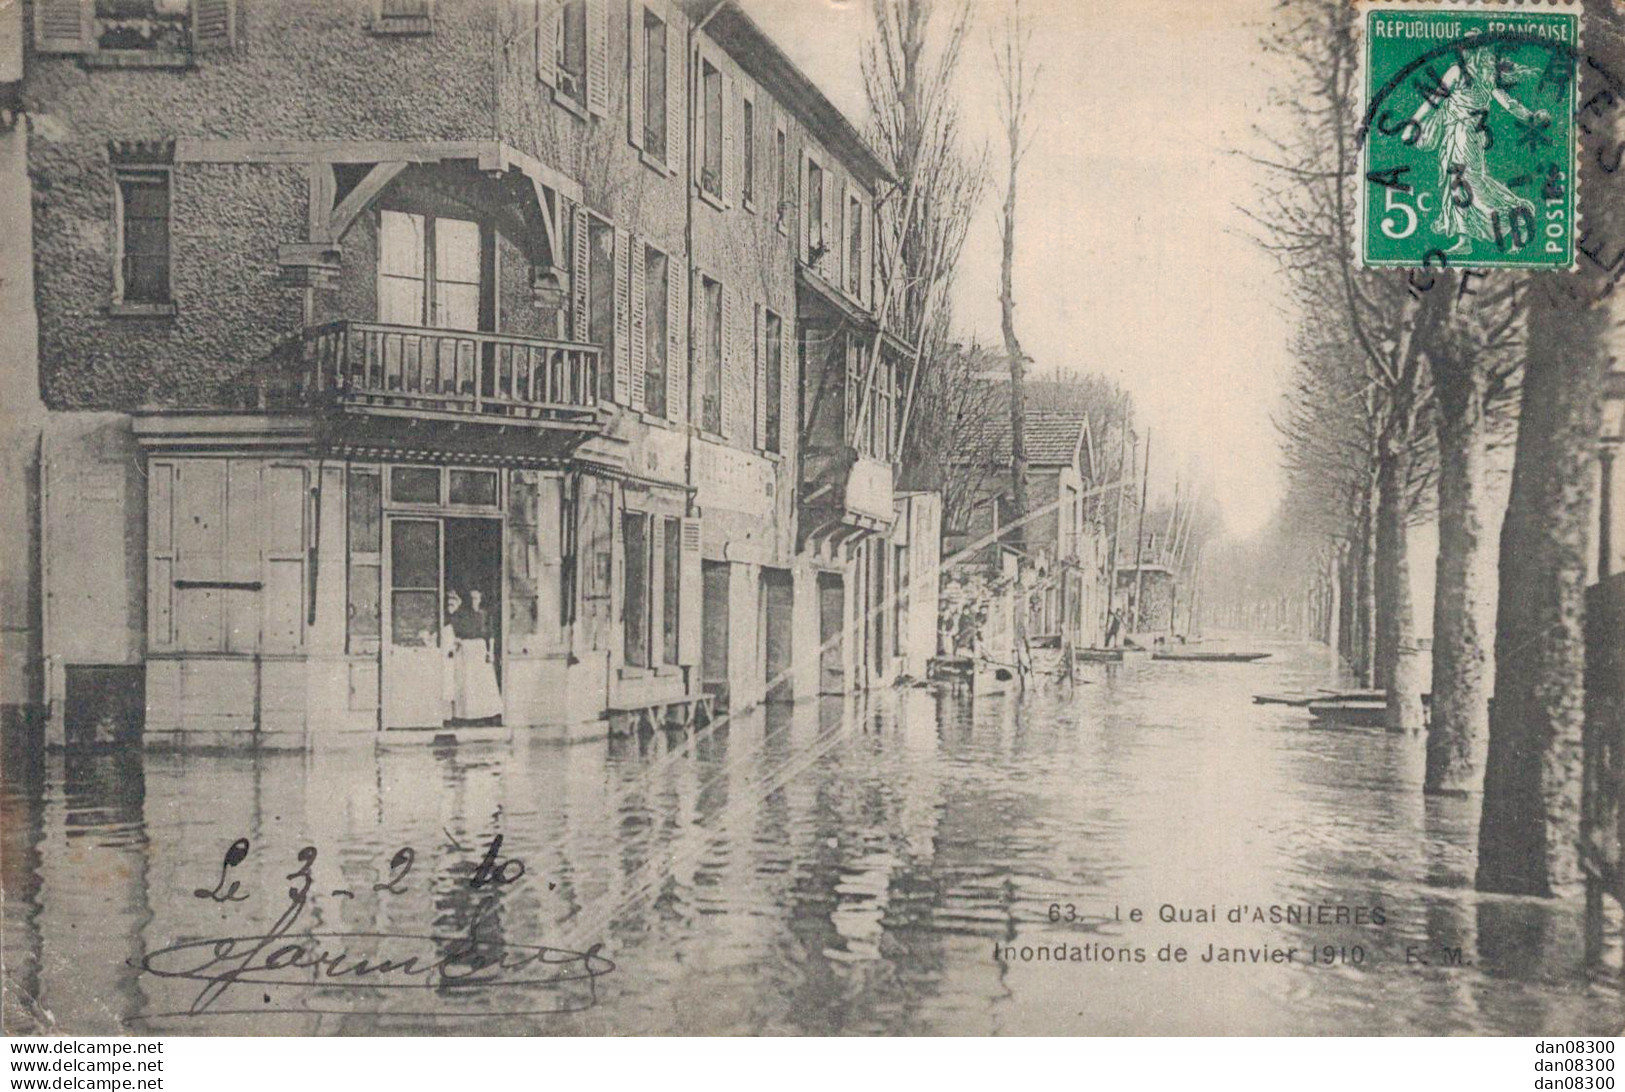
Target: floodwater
900, 864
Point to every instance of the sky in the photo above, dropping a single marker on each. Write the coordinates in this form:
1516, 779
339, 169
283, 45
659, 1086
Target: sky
1132, 253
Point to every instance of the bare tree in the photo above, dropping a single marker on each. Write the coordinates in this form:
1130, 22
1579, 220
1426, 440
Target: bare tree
915, 124
1018, 80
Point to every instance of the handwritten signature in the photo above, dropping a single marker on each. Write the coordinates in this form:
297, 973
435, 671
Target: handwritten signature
285, 957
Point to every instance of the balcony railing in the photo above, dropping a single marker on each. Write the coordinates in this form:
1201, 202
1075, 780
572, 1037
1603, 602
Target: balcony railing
366, 365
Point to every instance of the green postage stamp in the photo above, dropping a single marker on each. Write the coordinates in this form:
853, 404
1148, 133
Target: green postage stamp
1467, 134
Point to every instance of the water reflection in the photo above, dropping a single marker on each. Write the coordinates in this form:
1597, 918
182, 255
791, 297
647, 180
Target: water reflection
840, 866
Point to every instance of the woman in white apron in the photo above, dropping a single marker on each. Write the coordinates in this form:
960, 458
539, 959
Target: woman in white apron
470, 684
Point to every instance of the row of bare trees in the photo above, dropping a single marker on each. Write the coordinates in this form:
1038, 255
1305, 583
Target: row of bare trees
1403, 382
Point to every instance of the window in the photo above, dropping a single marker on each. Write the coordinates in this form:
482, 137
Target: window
670, 590
654, 85
475, 487
429, 270
748, 136
814, 212
656, 301
635, 613
414, 485
365, 513
711, 168
781, 177
139, 33
572, 49
142, 275
854, 247
711, 365
774, 439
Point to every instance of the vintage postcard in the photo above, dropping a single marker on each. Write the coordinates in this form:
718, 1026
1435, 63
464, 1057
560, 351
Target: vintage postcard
813, 517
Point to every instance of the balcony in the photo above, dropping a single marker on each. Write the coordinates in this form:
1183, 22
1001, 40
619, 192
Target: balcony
845, 495
379, 369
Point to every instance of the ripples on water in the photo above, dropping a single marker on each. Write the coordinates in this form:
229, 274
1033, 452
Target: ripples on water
827, 868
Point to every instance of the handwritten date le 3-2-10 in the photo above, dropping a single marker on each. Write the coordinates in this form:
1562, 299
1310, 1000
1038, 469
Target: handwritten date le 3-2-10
492, 871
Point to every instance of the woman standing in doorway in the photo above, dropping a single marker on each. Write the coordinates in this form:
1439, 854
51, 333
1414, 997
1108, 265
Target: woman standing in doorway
473, 691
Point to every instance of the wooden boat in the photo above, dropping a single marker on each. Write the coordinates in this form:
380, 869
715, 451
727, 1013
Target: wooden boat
1299, 700
1351, 712
1208, 657
1110, 655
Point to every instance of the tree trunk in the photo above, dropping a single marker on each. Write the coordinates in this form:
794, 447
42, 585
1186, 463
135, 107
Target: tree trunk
1460, 722
1531, 813
1018, 363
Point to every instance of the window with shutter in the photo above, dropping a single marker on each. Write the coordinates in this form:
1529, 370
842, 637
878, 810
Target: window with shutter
711, 355
653, 91
747, 152
671, 584
623, 317
676, 345
62, 26
637, 47
677, 92
549, 14
773, 381
812, 212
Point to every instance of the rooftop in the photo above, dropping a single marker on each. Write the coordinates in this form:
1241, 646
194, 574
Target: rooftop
1053, 438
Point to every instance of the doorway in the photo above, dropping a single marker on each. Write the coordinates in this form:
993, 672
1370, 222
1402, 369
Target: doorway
437, 565
831, 616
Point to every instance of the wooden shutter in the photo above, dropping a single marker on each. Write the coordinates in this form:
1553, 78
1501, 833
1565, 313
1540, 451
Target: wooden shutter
548, 14
835, 270
634, 73
676, 95
758, 348
623, 316
803, 202
282, 514
160, 554
598, 56
689, 595
656, 570
214, 24
62, 26
676, 342
789, 385
723, 421
640, 324
580, 273
242, 556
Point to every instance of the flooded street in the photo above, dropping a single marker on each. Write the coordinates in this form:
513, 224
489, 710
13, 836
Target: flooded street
826, 868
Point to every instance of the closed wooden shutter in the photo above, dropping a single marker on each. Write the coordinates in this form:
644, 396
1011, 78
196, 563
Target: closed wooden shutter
623, 316
214, 24
242, 557
200, 544
803, 203
598, 56
548, 14
161, 554
657, 585
581, 273
690, 633
724, 421
62, 26
789, 385
640, 325
835, 269
634, 73
676, 343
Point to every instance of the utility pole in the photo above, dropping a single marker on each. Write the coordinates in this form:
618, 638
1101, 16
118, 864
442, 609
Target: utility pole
1117, 519
1139, 532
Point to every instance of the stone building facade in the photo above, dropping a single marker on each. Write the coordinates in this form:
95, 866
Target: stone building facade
348, 306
